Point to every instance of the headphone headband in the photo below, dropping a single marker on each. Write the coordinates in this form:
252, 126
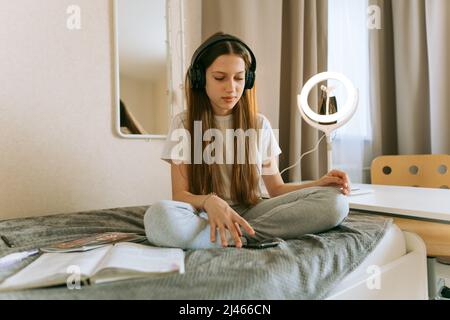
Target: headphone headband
222, 38
196, 74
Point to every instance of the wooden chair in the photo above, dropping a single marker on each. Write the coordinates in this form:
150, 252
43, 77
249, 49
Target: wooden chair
428, 171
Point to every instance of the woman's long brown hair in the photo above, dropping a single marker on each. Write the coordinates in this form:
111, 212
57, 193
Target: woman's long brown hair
205, 178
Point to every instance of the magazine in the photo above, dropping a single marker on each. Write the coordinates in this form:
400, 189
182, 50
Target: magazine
93, 242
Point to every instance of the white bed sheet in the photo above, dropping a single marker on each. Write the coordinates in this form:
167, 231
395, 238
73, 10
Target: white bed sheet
391, 247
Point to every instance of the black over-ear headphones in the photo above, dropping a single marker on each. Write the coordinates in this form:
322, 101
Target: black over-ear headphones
197, 74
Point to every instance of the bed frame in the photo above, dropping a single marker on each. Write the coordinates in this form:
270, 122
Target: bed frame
402, 279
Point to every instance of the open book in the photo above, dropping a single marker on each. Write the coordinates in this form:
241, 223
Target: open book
121, 261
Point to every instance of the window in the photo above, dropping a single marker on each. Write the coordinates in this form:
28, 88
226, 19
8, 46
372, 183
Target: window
348, 53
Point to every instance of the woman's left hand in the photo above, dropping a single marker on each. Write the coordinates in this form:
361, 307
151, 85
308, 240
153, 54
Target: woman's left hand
335, 178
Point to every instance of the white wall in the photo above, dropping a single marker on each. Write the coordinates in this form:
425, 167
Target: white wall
58, 149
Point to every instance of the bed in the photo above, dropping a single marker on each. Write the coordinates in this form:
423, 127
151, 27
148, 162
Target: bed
395, 269
366, 257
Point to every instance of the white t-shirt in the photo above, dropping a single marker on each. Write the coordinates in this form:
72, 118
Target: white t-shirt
177, 147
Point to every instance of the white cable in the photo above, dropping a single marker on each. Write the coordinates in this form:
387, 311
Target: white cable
306, 153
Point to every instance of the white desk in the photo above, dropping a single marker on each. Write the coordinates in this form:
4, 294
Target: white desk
424, 211
422, 203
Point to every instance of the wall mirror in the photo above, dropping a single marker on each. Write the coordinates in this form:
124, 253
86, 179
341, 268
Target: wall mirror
148, 37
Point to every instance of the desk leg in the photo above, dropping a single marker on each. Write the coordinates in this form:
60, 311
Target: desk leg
431, 269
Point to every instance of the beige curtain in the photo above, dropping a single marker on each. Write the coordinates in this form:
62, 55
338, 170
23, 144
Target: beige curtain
304, 54
289, 39
410, 77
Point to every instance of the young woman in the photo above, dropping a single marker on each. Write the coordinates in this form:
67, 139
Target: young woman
217, 202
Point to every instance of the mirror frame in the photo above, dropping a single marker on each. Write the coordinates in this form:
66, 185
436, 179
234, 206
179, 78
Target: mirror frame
175, 51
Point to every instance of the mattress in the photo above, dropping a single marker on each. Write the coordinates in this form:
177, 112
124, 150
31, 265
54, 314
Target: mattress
391, 247
304, 268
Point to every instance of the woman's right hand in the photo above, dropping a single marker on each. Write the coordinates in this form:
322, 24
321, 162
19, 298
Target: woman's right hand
223, 217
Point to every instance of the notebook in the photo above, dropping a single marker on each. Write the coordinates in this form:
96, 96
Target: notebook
357, 191
114, 262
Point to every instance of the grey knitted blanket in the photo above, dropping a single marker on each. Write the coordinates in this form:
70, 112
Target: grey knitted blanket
307, 268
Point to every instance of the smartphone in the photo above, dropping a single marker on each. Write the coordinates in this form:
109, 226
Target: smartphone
264, 244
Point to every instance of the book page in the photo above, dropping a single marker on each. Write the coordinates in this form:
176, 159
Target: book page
142, 259
52, 269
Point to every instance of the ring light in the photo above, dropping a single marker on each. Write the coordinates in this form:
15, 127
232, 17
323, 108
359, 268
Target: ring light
328, 123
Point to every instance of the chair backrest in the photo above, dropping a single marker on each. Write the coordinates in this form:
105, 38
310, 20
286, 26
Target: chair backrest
428, 171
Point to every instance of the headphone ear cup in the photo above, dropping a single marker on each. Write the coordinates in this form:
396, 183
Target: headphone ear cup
196, 77
201, 79
191, 77
249, 79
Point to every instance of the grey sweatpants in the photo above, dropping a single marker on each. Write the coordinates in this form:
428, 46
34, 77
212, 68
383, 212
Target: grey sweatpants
289, 216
